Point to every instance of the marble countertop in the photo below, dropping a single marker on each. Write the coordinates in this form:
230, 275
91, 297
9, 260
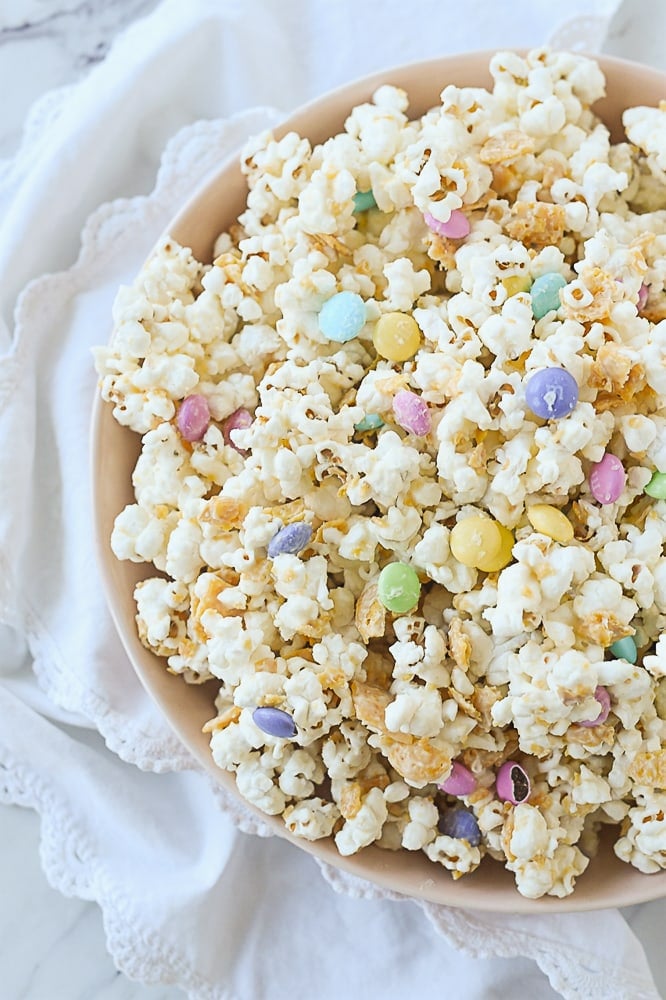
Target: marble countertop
53, 948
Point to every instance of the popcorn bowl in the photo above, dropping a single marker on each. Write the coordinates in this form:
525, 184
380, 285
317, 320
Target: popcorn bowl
607, 881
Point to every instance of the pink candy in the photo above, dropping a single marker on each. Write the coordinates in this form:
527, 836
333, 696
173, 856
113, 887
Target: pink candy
240, 419
642, 297
412, 412
603, 697
512, 783
461, 781
193, 417
607, 479
456, 227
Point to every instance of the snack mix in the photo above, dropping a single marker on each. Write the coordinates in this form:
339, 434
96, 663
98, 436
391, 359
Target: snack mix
403, 476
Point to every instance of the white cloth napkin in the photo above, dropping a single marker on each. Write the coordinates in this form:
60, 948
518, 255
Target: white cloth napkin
188, 896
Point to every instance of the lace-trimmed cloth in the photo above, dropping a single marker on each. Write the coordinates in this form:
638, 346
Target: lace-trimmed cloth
187, 897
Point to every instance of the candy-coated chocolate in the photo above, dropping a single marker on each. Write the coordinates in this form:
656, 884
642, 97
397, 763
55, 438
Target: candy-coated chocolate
624, 649
607, 479
550, 521
396, 336
399, 588
193, 418
240, 419
412, 413
551, 393
512, 783
292, 538
460, 824
482, 543
370, 422
342, 317
516, 283
363, 200
643, 292
461, 781
545, 292
657, 486
603, 698
456, 227
275, 722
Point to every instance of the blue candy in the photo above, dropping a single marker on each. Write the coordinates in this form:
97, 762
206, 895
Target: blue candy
342, 317
274, 722
370, 422
551, 393
292, 538
363, 200
460, 824
625, 649
545, 293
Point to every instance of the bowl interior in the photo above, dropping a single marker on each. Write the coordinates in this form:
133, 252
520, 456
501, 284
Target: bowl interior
607, 882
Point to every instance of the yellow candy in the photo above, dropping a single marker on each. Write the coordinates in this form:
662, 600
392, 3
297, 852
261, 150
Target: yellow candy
482, 543
397, 336
503, 557
550, 521
517, 283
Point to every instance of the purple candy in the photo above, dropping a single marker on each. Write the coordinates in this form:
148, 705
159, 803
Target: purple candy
292, 538
603, 697
412, 413
461, 781
642, 297
240, 419
551, 393
512, 783
193, 417
460, 824
275, 722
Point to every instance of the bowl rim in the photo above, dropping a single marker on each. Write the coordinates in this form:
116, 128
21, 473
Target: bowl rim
508, 900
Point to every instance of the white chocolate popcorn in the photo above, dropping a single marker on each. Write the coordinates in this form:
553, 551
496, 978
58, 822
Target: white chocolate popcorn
501, 655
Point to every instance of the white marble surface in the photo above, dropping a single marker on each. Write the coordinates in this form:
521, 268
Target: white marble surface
53, 948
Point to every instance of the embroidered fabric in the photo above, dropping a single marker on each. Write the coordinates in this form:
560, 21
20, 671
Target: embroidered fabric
103, 693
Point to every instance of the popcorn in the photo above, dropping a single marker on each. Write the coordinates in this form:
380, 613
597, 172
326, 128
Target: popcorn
507, 660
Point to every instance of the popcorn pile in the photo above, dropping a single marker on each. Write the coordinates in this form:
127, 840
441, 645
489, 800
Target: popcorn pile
403, 476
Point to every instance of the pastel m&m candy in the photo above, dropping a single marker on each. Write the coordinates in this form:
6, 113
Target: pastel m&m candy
399, 588
239, 420
643, 292
461, 824
603, 698
657, 486
396, 336
545, 293
342, 317
551, 393
274, 722
456, 227
625, 649
512, 783
364, 200
550, 521
193, 417
370, 422
412, 413
290, 539
461, 781
607, 479
482, 543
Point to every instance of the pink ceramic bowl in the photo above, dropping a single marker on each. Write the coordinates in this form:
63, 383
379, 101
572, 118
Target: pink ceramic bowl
608, 881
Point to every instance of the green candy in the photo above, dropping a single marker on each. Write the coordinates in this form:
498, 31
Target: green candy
399, 588
545, 293
625, 649
363, 200
370, 422
657, 486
